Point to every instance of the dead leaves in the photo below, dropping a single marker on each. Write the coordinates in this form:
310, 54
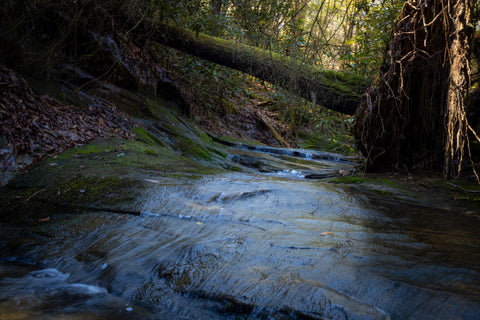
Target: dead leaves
40, 125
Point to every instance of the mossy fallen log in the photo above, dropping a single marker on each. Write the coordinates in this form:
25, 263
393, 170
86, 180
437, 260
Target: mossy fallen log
338, 91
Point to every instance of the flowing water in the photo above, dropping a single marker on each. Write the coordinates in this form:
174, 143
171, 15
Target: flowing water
268, 243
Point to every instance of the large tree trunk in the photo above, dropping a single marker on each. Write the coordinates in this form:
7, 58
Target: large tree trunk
414, 113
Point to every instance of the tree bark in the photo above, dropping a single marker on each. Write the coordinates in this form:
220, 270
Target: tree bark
338, 91
458, 83
216, 6
414, 114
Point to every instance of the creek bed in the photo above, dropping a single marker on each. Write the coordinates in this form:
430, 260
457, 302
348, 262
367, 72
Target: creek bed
264, 244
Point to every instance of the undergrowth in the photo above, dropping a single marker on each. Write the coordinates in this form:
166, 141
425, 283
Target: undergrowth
213, 90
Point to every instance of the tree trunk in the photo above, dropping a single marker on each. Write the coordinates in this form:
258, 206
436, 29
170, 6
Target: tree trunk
414, 113
338, 91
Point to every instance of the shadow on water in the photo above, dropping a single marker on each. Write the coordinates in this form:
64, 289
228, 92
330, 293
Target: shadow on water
260, 245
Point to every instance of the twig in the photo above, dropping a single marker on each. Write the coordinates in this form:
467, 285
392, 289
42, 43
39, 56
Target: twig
35, 194
463, 189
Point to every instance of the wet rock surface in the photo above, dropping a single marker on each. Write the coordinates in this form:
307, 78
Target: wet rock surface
256, 244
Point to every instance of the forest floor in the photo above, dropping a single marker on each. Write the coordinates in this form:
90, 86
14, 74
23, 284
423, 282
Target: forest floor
35, 126
251, 120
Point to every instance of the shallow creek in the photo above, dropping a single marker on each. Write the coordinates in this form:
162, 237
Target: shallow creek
267, 243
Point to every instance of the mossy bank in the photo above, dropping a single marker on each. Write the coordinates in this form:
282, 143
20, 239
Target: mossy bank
109, 174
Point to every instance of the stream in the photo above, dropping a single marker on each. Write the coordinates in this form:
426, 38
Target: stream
272, 242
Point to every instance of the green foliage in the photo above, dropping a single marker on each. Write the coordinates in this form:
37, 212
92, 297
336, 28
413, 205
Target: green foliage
332, 34
207, 86
476, 15
374, 22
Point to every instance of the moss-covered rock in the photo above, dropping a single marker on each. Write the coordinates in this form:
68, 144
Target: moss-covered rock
108, 174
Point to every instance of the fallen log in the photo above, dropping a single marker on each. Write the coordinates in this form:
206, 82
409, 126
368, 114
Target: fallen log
338, 91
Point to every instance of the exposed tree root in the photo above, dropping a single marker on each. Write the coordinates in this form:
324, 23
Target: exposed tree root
414, 113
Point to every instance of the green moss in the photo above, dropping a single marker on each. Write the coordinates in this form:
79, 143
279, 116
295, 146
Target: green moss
329, 143
105, 173
165, 110
350, 179
88, 149
234, 140
147, 137
193, 149
383, 192
205, 138
190, 176
364, 179
312, 143
218, 152
151, 152
235, 169
102, 192
227, 106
